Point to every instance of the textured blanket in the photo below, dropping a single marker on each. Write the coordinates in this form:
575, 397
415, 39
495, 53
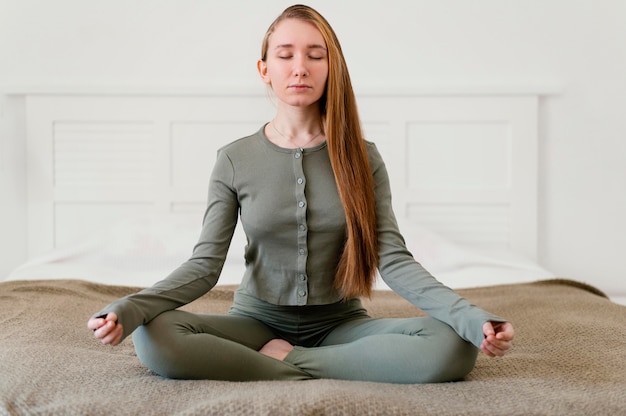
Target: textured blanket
569, 358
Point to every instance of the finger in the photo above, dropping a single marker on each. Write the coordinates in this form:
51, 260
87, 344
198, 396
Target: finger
491, 351
488, 329
486, 350
111, 316
104, 330
114, 337
95, 323
505, 336
500, 349
495, 348
505, 331
500, 342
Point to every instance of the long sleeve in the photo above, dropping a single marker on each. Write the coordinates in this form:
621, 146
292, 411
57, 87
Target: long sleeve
200, 273
404, 275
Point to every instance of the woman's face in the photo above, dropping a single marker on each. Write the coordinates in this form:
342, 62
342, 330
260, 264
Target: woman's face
296, 64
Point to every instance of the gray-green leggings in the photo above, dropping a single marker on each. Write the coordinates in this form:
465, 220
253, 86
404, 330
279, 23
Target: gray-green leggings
332, 341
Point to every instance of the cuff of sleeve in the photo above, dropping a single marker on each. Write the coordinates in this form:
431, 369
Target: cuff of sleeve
479, 337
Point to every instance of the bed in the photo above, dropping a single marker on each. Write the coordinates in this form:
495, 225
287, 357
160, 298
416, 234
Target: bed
473, 225
568, 358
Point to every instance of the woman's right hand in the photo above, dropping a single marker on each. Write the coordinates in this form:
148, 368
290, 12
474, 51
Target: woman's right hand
107, 329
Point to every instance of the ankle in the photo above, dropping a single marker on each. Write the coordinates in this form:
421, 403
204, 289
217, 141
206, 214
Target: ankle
277, 349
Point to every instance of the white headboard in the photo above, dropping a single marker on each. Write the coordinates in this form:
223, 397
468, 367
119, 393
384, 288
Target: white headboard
462, 165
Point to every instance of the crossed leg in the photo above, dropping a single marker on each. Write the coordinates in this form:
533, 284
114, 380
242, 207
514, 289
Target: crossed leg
178, 344
412, 350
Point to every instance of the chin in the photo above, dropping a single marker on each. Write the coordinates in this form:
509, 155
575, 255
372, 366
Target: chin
300, 101
303, 99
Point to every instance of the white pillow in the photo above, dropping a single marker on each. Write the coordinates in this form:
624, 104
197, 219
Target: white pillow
136, 251
142, 250
460, 266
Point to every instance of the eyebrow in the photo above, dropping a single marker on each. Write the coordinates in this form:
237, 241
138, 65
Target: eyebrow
290, 45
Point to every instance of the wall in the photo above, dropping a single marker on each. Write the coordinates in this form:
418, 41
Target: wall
12, 184
575, 50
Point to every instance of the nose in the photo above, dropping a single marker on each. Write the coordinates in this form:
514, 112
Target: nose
299, 68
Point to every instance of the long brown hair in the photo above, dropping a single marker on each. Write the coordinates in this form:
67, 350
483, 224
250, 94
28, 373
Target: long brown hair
348, 156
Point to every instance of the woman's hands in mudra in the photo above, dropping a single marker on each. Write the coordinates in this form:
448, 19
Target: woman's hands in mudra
106, 329
498, 338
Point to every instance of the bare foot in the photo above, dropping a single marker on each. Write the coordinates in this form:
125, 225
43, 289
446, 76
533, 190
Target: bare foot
276, 348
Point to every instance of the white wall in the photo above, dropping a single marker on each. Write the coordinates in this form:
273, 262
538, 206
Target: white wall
576, 48
12, 184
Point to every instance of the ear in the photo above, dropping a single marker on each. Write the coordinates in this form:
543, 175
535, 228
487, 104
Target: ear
261, 66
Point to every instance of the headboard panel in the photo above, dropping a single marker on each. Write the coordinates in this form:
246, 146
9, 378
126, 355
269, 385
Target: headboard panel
464, 166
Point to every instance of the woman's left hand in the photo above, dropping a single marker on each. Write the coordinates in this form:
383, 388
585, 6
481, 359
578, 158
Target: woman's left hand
498, 338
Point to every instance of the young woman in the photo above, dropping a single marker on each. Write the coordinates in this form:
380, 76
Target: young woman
314, 200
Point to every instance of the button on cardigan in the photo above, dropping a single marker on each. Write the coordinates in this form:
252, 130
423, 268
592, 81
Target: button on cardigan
289, 207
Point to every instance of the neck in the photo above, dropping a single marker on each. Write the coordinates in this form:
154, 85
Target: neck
294, 121
300, 140
295, 133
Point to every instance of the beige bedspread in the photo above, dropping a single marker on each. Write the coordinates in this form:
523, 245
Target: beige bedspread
569, 359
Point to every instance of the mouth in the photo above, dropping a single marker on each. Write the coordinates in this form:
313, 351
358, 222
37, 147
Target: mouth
299, 87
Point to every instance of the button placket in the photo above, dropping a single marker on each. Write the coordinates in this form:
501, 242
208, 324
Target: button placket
301, 284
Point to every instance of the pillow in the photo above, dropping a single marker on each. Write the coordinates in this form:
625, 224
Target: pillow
461, 266
141, 250
136, 251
